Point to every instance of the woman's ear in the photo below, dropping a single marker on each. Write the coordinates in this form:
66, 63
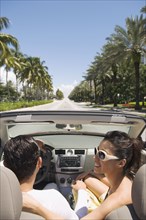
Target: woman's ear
122, 163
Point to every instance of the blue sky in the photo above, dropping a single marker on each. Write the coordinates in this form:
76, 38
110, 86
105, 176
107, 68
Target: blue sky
66, 34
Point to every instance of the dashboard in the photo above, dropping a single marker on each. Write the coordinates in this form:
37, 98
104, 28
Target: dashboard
71, 156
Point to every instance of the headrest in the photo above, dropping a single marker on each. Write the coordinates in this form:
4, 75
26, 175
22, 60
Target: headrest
139, 192
11, 196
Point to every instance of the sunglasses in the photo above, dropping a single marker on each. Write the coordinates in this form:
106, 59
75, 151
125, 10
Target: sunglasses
102, 155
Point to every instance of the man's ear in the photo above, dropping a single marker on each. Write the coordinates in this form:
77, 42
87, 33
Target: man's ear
39, 162
122, 163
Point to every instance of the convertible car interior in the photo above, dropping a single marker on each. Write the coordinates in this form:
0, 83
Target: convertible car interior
68, 139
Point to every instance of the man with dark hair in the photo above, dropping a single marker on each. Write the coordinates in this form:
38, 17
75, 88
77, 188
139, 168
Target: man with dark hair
22, 156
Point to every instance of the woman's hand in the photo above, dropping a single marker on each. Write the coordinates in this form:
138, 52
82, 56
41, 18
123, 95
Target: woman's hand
79, 184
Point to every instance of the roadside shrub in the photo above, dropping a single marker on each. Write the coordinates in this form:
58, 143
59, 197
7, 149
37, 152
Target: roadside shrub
6, 106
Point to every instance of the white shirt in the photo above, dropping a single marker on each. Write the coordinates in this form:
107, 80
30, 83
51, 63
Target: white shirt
54, 201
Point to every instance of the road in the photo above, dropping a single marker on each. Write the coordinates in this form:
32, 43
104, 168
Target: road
65, 104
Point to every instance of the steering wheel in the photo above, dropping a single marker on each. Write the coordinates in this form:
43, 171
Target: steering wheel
46, 154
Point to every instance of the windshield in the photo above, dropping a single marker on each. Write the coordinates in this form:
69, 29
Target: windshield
49, 128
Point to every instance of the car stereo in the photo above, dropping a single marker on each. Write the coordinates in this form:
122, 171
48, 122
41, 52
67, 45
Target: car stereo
73, 161
69, 159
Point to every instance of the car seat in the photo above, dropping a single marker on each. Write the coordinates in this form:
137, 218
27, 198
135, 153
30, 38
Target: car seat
11, 198
136, 210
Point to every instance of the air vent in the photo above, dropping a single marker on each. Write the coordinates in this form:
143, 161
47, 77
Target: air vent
80, 152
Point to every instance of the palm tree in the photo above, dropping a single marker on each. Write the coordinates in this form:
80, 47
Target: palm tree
92, 78
4, 23
129, 44
6, 40
34, 75
9, 62
143, 10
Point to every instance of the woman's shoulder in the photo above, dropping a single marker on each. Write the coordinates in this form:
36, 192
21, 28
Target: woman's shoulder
122, 195
125, 185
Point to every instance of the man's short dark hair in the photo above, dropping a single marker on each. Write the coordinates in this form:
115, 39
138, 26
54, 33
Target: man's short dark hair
20, 155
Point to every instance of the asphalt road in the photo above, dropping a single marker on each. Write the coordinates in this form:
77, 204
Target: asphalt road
65, 104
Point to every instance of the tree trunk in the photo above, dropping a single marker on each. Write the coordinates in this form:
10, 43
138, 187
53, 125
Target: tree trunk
95, 93
7, 84
137, 79
114, 70
103, 92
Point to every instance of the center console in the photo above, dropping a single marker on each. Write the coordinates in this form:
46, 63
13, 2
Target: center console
69, 163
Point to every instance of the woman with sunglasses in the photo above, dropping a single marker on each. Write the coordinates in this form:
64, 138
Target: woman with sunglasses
95, 183
118, 157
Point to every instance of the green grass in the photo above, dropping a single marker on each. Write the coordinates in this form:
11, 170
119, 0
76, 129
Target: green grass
6, 106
